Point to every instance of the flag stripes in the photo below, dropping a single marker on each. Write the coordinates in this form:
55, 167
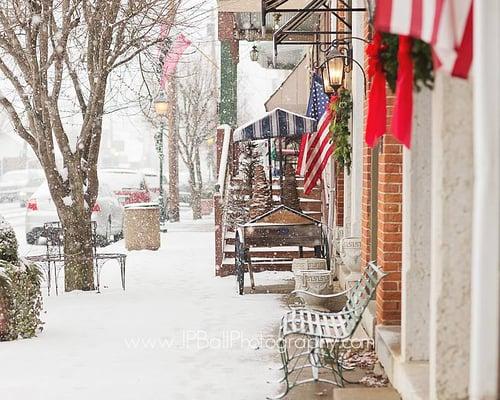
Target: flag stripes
316, 147
445, 24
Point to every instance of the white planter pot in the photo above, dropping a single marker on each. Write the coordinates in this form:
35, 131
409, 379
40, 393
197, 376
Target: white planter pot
304, 264
315, 281
351, 253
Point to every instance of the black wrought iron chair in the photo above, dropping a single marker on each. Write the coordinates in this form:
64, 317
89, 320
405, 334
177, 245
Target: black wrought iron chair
53, 260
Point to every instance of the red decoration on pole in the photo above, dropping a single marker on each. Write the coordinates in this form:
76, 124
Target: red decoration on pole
377, 114
403, 107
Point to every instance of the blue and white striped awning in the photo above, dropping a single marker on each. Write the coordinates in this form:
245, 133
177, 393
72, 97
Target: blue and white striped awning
276, 123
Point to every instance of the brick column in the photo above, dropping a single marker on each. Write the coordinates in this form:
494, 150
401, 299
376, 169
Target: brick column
366, 206
390, 227
366, 178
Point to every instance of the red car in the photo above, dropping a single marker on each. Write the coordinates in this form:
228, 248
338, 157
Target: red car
128, 185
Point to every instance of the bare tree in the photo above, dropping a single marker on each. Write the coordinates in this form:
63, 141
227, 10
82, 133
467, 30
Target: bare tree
57, 57
197, 116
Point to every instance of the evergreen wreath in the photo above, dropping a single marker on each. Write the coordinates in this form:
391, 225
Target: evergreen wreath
423, 70
339, 128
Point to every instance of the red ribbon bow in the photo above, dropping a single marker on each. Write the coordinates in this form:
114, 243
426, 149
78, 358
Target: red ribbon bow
403, 106
377, 113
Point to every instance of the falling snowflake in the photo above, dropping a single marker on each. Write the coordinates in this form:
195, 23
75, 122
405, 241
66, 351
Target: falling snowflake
36, 19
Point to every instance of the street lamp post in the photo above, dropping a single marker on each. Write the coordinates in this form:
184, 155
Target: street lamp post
161, 108
333, 71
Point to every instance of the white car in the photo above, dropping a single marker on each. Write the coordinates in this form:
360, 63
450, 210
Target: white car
153, 182
129, 185
107, 213
19, 185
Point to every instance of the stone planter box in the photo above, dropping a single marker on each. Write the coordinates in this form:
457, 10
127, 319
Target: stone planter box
141, 227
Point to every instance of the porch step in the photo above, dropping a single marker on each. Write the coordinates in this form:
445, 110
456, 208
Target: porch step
305, 204
315, 194
387, 393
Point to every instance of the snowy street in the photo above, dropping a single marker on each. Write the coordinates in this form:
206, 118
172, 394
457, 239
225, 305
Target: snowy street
177, 332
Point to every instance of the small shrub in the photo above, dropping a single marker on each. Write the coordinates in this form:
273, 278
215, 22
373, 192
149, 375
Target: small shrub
20, 293
8, 243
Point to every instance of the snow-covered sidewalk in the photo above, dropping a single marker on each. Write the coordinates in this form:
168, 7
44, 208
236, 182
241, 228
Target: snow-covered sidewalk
177, 333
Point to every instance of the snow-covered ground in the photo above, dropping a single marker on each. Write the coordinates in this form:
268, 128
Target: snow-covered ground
177, 332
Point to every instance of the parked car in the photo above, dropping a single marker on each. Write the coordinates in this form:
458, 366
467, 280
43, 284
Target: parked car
19, 185
130, 186
107, 213
153, 182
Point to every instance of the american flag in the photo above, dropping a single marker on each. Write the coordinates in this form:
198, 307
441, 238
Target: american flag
316, 147
171, 59
445, 24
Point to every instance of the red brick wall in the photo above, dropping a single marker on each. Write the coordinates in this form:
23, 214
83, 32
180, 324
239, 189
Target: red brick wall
389, 233
389, 218
367, 181
225, 26
366, 206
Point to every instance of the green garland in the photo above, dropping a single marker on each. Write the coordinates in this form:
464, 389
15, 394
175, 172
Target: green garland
339, 129
423, 70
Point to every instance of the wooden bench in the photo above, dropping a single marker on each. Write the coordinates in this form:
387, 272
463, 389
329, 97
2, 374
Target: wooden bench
324, 333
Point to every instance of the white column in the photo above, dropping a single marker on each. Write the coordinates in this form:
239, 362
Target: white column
484, 365
347, 204
358, 129
452, 187
351, 246
416, 269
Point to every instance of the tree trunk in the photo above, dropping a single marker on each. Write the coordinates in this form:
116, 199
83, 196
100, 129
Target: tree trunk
173, 155
199, 177
196, 203
195, 193
78, 249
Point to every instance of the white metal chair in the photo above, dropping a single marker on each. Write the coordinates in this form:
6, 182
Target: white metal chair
324, 333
